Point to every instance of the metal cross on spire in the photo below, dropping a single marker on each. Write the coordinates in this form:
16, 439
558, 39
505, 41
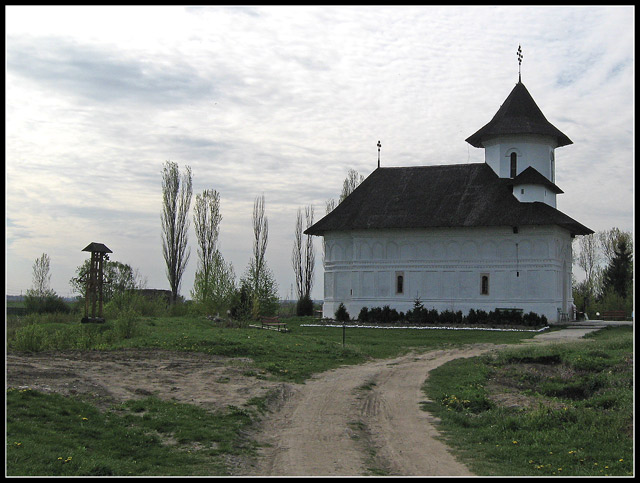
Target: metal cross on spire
379, 146
519, 63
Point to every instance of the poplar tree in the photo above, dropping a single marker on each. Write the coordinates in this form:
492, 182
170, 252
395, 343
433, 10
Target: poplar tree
176, 201
214, 283
303, 261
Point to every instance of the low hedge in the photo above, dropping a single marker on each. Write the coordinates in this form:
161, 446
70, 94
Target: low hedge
422, 316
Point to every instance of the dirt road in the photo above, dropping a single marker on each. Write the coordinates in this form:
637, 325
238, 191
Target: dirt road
358, 419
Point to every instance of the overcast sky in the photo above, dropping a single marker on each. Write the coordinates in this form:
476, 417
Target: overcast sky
283, 101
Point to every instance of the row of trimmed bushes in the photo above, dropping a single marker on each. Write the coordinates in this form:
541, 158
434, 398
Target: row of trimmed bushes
422, 316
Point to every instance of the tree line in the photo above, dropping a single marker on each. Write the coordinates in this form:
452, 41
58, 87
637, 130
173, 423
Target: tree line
606, 257
215, 289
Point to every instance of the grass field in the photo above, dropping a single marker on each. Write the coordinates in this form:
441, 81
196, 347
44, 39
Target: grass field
565, 409
291, 356
48, 434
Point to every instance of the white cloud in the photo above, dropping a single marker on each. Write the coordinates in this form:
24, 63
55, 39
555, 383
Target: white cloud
283, 101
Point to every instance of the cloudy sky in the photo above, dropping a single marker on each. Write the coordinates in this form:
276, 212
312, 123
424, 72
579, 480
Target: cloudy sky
283, 101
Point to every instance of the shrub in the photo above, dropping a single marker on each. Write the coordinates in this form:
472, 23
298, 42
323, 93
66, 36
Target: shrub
241, 302
341, 314
29, 338
421, 316
122, 302
127, 323
304, 306
363, 316
45, 304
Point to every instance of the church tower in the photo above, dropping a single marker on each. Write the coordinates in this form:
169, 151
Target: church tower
520, 145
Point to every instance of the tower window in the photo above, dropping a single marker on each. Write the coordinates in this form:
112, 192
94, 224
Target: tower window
514, 164
484, 285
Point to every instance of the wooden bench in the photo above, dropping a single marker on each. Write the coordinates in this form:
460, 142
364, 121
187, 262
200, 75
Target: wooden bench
614, 315
273, 323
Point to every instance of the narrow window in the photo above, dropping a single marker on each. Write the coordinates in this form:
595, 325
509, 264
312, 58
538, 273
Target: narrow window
484, 285
522, 191
399, 283
514, 164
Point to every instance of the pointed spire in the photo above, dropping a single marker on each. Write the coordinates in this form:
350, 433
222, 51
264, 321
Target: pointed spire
379, 146
519, 63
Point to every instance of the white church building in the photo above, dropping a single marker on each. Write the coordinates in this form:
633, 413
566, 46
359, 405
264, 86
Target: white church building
461, 236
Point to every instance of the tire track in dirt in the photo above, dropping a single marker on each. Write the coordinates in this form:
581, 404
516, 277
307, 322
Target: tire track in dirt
312, 434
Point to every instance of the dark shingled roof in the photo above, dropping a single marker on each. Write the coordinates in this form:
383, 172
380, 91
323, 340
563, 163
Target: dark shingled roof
96, 247
458, 195
532, 176
519, 114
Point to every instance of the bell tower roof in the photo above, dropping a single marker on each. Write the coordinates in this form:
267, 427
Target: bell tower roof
518, 114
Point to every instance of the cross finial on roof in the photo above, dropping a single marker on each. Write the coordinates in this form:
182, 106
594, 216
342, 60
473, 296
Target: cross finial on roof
519, 62
379, 146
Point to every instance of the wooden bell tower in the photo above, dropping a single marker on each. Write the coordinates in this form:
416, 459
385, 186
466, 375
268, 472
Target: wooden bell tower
95, 282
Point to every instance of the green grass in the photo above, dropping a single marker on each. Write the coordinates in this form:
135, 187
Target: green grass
296, 355
573, 411
292, 356
47, 435
52, 435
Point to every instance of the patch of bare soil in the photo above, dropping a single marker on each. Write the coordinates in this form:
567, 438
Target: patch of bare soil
111, 377
507, 387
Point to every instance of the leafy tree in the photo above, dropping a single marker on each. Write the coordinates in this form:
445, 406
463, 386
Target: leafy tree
214, 283
216, 291
119, 278
176, 201
618, 275
258, 277
263, 295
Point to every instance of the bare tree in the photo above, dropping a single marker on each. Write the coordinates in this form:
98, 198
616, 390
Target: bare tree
303, 256
41, 276
589, 256
261, 236
609, 240
350, 183
206, 219
176, 201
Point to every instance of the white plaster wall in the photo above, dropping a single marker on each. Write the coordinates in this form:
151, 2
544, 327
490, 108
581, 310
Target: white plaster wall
443, 267
532, 150
532, 192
